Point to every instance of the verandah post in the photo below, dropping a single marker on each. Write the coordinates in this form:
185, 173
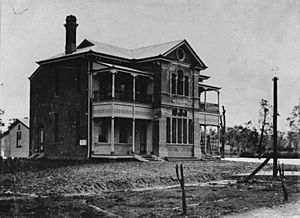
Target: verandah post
112, 136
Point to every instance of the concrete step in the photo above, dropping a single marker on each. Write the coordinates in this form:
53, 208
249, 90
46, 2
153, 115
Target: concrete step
183, 159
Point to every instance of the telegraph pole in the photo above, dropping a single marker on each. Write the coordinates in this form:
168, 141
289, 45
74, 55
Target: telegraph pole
275, 112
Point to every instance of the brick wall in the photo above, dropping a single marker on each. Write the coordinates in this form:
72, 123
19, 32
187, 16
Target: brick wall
59, 88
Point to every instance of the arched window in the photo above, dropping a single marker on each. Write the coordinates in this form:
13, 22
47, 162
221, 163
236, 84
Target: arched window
173, 83
180, 83
186, 86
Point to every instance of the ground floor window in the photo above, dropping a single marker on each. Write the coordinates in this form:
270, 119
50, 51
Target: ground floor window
19, 138
168, 129
41, 136
179, 130
191, 132
103, 130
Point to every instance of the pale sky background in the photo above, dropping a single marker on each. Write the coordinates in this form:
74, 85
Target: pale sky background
243, 43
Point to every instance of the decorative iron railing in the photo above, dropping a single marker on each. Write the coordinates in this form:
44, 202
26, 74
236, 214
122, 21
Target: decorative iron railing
101, 95
143, 98
123, 95
209, 107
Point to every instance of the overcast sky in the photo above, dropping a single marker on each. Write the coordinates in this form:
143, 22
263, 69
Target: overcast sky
243, 43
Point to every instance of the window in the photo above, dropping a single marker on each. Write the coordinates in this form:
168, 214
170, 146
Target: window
56, 130
19, 138
103, 131
180, 83
168, 130
186, 86
41, 136
173, 83
179, 128
180, 54
191, 132
184, 124
173, 130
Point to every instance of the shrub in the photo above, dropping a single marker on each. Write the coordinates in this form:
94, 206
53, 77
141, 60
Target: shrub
247, 154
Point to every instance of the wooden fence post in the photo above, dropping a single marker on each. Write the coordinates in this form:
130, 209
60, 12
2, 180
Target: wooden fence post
1, 164
281, 173
180, 178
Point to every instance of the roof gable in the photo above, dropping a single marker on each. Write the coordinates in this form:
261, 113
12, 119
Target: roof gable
183, 52
24, 122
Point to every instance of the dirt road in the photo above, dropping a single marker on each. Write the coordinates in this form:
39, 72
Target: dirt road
72, 191
290, 210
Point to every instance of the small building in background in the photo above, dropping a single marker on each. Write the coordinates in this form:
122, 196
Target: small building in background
15, 141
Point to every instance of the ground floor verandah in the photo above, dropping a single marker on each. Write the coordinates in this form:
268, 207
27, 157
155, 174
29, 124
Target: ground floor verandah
121, 136
125, 137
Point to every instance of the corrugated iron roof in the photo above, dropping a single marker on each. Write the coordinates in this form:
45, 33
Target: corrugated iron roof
138, 53
25, 121
124, 68
154, 50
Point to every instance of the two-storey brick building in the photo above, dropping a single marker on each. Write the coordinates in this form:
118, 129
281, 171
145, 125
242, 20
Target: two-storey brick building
99, 100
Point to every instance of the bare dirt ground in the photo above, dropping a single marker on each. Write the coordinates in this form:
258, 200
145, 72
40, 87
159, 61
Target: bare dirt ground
78, 190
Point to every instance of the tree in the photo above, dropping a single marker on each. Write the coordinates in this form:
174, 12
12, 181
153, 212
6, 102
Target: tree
242, 138
264, 120
294, 124
294, 119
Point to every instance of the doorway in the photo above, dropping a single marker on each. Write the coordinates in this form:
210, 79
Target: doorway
41, 138
141, 137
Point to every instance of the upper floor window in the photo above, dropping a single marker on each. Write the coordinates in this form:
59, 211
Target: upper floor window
180, 83
173, 83
180, 54
186, 86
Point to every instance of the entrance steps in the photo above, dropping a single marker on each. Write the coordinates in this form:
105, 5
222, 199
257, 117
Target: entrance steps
174, 159
203, 158
148, 158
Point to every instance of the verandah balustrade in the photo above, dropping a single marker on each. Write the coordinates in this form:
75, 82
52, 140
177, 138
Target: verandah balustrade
209, 107
124, 95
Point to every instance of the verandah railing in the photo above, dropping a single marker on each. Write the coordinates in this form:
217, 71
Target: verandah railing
209, 107
124, 95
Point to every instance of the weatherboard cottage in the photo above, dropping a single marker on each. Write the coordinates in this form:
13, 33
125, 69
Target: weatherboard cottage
101, 101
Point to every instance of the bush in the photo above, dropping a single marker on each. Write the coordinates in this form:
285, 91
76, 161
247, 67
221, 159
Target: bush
247, 154
288, 155
285, 155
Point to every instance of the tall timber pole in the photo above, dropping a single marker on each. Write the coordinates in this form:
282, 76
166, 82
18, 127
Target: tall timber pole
275, 112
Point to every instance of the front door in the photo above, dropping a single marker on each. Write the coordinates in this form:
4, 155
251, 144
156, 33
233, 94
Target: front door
143, 139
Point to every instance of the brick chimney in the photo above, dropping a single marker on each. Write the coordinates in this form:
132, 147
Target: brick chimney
70, 26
